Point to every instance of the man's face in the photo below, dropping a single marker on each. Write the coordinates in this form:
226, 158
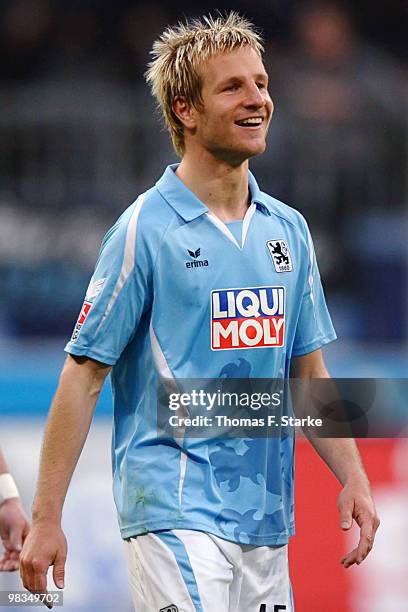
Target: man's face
237, 108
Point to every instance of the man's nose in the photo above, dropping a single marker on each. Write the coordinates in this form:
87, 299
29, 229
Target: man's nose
254, 97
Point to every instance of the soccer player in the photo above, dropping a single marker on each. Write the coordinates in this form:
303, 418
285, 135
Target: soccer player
203, 276
14, 524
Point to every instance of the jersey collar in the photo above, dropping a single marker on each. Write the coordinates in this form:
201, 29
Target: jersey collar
187, 205
257, 197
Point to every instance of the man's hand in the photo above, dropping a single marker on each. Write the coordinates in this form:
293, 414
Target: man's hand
45, 545
355, 502
67, 428
343, 458
14, 528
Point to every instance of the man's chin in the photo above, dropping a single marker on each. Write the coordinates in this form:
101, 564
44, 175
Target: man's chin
253, 150
239, 154
259, 149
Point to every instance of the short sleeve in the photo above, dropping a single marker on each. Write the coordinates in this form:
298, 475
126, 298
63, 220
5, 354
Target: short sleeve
314, 327
118, 294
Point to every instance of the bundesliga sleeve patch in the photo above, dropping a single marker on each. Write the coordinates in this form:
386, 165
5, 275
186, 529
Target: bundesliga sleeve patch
86, 307
94, 289
247, 318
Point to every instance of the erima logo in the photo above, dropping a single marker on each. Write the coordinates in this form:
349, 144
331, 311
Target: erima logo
194, 254
170, 608
247, 318
196, 263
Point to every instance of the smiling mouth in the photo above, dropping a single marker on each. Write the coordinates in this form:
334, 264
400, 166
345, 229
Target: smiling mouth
250, 122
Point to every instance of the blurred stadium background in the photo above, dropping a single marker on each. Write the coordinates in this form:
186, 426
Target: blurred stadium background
79, 140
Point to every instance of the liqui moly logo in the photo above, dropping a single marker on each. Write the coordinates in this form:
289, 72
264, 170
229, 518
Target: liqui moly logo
247, 318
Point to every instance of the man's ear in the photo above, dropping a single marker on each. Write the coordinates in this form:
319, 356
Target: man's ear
185, 112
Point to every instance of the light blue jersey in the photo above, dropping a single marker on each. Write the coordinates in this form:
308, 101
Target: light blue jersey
175, 294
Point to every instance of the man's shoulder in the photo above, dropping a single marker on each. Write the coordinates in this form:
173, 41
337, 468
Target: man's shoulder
148, 215
287, 213
150, 208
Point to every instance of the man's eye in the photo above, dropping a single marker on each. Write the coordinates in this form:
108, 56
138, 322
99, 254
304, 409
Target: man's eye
232, 87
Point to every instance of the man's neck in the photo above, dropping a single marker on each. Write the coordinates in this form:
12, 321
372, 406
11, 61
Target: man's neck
221, 187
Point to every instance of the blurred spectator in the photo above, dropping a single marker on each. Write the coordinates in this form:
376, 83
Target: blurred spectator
79, 40
139, 25
340, 103
25, 36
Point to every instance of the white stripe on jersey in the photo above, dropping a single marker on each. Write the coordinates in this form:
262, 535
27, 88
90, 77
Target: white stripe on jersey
311, 263
128, 257
221, 226
226, 231
165, 373
247, 220
158, 356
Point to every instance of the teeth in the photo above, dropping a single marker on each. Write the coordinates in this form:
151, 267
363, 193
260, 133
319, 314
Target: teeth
251, 121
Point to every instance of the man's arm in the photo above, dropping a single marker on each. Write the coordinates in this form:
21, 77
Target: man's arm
14, 524
343, 458
67, 428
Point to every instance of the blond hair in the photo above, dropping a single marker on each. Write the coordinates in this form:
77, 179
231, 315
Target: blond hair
178, 54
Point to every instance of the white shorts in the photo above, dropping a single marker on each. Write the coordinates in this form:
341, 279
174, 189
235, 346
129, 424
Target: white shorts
192, 571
